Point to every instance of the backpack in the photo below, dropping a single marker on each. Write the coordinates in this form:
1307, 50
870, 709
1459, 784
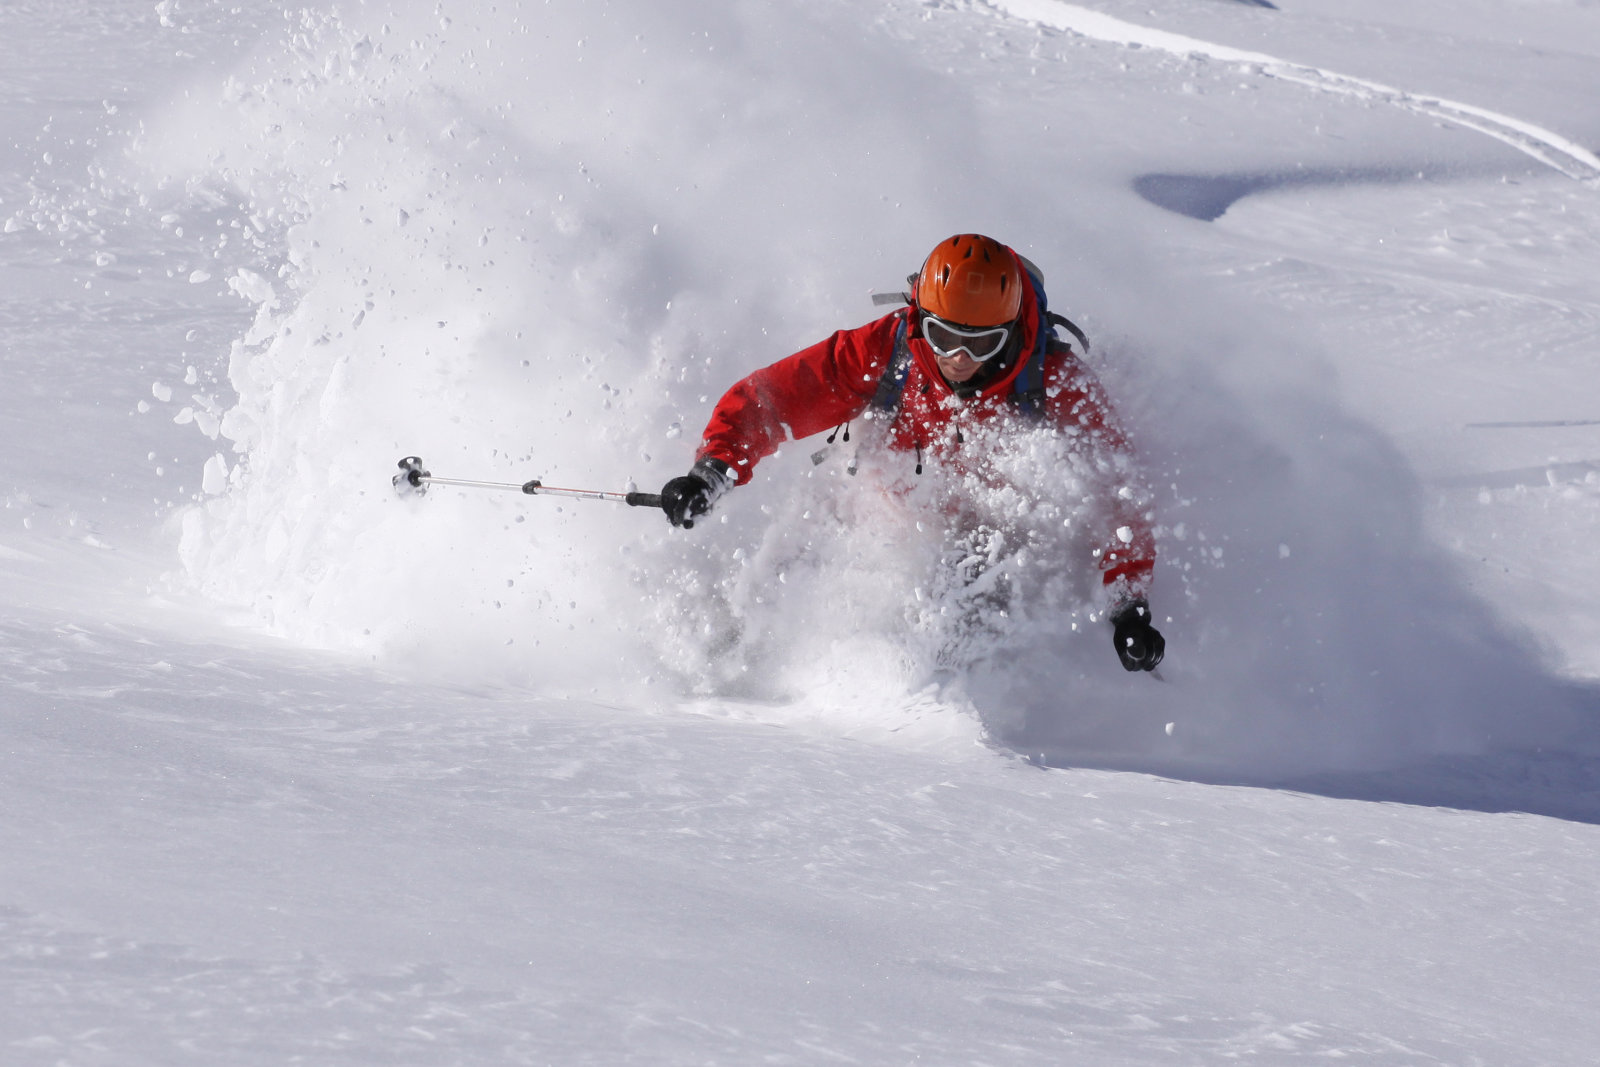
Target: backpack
1028, 392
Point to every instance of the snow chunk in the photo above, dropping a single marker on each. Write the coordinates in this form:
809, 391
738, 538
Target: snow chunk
252, 286
214, 477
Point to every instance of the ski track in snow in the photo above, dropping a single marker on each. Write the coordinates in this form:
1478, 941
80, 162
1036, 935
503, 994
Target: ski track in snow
1546, 146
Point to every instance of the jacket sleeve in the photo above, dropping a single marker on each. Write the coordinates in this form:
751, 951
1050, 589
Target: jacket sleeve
1126, 546
815, 389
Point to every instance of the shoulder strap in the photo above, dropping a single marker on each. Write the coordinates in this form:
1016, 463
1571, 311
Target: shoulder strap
893, 382
1053, 320
1049, 320
1027, 393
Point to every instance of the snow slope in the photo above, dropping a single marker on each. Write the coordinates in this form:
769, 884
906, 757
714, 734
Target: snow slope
298, 769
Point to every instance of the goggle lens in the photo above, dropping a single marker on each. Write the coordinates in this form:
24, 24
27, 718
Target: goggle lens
947, 339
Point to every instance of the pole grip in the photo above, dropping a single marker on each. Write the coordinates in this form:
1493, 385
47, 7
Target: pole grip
642, 500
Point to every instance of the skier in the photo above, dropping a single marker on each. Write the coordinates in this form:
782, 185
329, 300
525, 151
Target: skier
975, 348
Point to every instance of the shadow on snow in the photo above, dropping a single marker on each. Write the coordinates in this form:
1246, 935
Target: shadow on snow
1208, 197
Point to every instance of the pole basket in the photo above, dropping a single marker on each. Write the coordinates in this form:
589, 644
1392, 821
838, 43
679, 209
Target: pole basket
412, 479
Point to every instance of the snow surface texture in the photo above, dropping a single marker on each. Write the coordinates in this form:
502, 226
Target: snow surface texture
505, 788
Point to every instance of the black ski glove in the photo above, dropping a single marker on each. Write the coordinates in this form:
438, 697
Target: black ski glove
1139, 645
691, 495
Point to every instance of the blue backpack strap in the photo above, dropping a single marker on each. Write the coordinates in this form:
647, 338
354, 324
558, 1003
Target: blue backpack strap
893, 382
1027, 393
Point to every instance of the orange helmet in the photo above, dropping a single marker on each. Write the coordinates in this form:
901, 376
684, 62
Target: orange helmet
971, 280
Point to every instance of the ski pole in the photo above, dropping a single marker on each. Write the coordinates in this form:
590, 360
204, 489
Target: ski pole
415, 479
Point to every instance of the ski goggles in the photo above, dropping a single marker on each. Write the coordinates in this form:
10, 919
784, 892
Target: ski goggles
979, 343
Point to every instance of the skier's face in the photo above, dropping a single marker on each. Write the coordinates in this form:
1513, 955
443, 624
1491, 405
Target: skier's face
957, 368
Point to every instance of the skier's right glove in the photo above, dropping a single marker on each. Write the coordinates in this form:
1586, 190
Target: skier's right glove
1139, 645
690, 496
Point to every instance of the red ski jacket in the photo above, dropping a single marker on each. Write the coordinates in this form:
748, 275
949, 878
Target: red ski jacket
834, 381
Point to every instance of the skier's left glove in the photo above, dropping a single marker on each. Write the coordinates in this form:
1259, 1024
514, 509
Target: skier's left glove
691, 495
1139, 645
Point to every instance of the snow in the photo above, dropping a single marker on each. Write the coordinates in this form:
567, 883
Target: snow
298, 769
1547, 147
